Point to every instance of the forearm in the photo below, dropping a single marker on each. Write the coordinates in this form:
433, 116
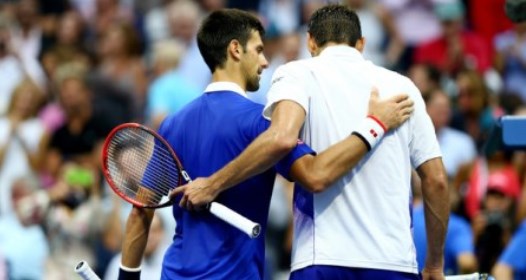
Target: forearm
136, 236
330, 165
436, 207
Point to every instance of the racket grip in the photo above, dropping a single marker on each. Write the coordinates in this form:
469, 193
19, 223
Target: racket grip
472, 276
228, 215
85, 272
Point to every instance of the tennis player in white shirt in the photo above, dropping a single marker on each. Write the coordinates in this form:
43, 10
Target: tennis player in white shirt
359, 227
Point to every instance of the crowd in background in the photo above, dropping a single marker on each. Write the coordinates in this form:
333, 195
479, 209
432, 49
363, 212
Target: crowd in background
71, 70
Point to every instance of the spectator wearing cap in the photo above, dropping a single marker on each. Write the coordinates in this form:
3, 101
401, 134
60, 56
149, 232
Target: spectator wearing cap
493, 225
457, 48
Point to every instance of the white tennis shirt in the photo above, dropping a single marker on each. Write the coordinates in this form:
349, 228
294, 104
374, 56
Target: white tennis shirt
363, 220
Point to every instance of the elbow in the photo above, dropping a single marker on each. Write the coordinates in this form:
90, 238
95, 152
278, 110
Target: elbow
316, 183
283, 144
437, 182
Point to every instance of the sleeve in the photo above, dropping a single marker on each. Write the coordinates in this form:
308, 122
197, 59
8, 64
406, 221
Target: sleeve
285, 164
286, 85
423, 143
514, 255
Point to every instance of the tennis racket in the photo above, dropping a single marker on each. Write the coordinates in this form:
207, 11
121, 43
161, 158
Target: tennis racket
142, 168
85, 272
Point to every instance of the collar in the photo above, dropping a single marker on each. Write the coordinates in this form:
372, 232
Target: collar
226, 86
342, 50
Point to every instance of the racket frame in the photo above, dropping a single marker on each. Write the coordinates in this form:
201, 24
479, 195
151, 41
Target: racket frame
111, 182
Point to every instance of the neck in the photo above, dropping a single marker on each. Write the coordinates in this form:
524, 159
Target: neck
229, 74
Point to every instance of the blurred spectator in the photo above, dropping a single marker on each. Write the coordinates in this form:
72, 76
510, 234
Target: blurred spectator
169, 92
22, 241
11, 69
77, 139
153, 253
106, 13
184, 17
156, 23
22, 137
426, 77
122, 65
511, 59
487, 18
512, 263
74, 222
475, 111
378, 27
416, 22
282, 14
459, 252
27, 38
68, 46
213, 5
493, 226
457, 48
457, 147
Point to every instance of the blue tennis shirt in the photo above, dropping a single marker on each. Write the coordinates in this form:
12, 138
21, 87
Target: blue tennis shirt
206, 135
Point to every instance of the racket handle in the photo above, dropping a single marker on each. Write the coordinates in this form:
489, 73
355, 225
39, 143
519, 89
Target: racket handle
472, 276
228, 215
84, 270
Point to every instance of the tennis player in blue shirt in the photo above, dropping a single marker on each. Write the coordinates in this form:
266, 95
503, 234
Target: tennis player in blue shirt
214, 129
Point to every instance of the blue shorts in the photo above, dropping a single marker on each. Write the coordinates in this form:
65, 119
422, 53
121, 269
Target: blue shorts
327, 272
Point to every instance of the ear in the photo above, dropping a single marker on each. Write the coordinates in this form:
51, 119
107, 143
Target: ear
235, 49
311, 45
360, 44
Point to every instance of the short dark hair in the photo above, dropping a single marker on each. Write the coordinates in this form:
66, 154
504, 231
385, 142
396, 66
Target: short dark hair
219, 29
335, 23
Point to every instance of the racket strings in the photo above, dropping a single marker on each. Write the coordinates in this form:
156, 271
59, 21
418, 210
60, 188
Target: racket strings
141, 166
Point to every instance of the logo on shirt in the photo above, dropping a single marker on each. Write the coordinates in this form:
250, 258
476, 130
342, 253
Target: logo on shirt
277, 79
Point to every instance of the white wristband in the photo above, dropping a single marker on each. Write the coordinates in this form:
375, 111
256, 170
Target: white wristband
371, 130
129, 269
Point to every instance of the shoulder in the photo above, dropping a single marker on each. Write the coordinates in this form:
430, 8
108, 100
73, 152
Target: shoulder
293, 68
395, 82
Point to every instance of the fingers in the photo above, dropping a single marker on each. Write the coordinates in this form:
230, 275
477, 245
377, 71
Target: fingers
399, 98
177, 191
183, 201
374, 93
